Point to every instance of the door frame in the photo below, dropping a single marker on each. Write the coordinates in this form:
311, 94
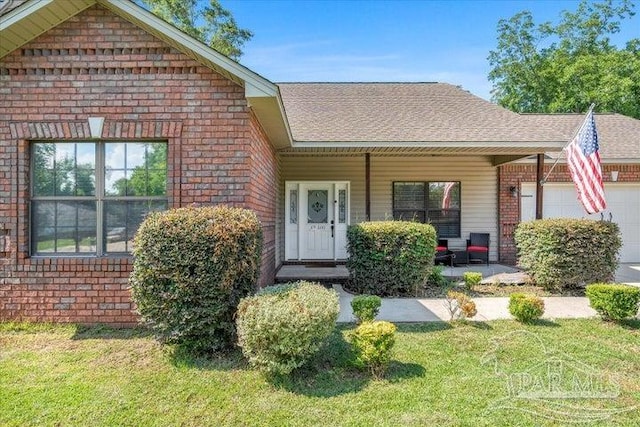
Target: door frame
293, 238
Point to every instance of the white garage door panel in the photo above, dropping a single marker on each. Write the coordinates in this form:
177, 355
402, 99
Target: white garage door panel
560, 200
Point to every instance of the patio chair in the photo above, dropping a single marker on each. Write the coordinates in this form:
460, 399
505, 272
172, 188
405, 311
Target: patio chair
443, 254
478, 247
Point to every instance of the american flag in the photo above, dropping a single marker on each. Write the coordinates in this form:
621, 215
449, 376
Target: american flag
583, 160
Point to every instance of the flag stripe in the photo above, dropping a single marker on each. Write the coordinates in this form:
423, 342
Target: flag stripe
583, 160
587, 169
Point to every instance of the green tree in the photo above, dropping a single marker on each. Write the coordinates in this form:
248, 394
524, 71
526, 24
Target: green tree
564, 67
212, 24
149, 179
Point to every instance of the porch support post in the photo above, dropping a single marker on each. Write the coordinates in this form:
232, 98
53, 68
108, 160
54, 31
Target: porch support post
367, 185
539, 186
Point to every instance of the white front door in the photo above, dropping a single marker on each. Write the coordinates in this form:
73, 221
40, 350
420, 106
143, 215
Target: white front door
560, 200
318, 224
316, 220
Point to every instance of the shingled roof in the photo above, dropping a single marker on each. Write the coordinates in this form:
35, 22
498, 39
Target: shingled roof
618, 135
401, 112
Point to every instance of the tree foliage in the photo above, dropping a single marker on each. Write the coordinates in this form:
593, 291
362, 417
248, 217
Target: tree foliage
564, 67
212, 24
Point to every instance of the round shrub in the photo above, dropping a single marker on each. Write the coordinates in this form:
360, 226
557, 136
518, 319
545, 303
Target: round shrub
471, 279
366, 307
568, 253
389, 258
526, 307
613, 301
191, 268
373, 342
281, 327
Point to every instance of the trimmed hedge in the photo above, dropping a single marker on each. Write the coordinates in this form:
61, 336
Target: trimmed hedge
281, 327
526, 307
389, 258
568, 253
191, 268
373, 342
366, 307
614, 301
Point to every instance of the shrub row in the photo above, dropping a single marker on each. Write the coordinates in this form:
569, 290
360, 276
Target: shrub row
389, 258
567, 253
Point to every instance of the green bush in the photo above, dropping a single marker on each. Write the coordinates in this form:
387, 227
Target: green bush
567, 253
373, 342
471, 279
389, 258
614, 301
191, 267
366, 307
437, 278
281, 327
526, 307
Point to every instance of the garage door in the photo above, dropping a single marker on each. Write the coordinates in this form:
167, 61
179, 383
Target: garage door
560, 200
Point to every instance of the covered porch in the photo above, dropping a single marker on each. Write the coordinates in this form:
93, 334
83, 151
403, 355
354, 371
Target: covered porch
338, 273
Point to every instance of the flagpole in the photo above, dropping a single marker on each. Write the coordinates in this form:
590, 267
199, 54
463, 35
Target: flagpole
582, 124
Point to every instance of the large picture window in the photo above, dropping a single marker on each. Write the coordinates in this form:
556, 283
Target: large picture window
437, 203
90, 197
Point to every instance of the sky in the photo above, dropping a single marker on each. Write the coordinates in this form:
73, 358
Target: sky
391, 40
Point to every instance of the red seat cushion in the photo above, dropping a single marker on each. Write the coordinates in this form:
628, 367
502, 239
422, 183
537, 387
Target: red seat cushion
441, 248
477, 249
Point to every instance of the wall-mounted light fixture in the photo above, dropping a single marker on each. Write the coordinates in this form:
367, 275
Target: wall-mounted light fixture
614, 176
514, 191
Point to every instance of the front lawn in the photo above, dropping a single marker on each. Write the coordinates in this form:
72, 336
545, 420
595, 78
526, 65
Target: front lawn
475, 374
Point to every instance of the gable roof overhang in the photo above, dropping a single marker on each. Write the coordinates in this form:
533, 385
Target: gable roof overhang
35, 17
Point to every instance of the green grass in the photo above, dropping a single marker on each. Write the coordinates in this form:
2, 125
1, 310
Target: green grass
441, 375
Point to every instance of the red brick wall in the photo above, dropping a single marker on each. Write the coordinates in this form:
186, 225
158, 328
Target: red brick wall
262, 196
99, 65
513, 175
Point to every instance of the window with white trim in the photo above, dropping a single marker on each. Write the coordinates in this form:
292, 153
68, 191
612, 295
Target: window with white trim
437, 203
88, 198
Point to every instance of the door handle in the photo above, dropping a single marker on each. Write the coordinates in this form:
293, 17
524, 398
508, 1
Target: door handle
332, 226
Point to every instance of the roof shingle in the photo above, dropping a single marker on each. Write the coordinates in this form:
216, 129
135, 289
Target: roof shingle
400, 112
618, 135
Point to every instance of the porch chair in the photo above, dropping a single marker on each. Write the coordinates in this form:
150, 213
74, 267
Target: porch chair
478, 246
443, 254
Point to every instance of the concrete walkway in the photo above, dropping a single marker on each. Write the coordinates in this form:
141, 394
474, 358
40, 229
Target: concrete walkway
434, 310
431, 310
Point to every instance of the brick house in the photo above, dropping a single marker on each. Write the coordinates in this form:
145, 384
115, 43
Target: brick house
619, 139
109, 112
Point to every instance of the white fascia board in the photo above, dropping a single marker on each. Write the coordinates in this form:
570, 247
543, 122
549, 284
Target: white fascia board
255, 85
21, 12
546, 145
283, 113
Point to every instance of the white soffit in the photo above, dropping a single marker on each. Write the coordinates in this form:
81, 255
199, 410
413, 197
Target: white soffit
33, 18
